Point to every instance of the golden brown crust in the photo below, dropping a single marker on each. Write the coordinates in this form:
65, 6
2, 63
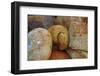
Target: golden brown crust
59, 35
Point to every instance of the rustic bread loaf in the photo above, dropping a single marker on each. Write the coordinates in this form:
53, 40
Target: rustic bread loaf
39, 21
63, 20
59, 36
78, 32
39, 44
77, 54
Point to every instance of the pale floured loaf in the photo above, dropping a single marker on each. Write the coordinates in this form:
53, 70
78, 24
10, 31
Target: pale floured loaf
78, 34
77, 54
39, 44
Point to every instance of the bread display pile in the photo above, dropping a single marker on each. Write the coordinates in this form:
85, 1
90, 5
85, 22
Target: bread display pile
57, 37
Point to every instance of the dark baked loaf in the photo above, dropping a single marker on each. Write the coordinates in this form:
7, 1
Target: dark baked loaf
39, 21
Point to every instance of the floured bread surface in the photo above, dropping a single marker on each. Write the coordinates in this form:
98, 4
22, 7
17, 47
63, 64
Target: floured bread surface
39, 44
78, 32
77, 54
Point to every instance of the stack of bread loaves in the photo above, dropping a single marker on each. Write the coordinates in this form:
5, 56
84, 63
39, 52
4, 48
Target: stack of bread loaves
57, 37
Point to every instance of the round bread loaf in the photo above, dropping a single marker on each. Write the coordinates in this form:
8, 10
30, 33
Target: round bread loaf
39, 21
77, 54
39, 44
78, 33
63, 20
59, 35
